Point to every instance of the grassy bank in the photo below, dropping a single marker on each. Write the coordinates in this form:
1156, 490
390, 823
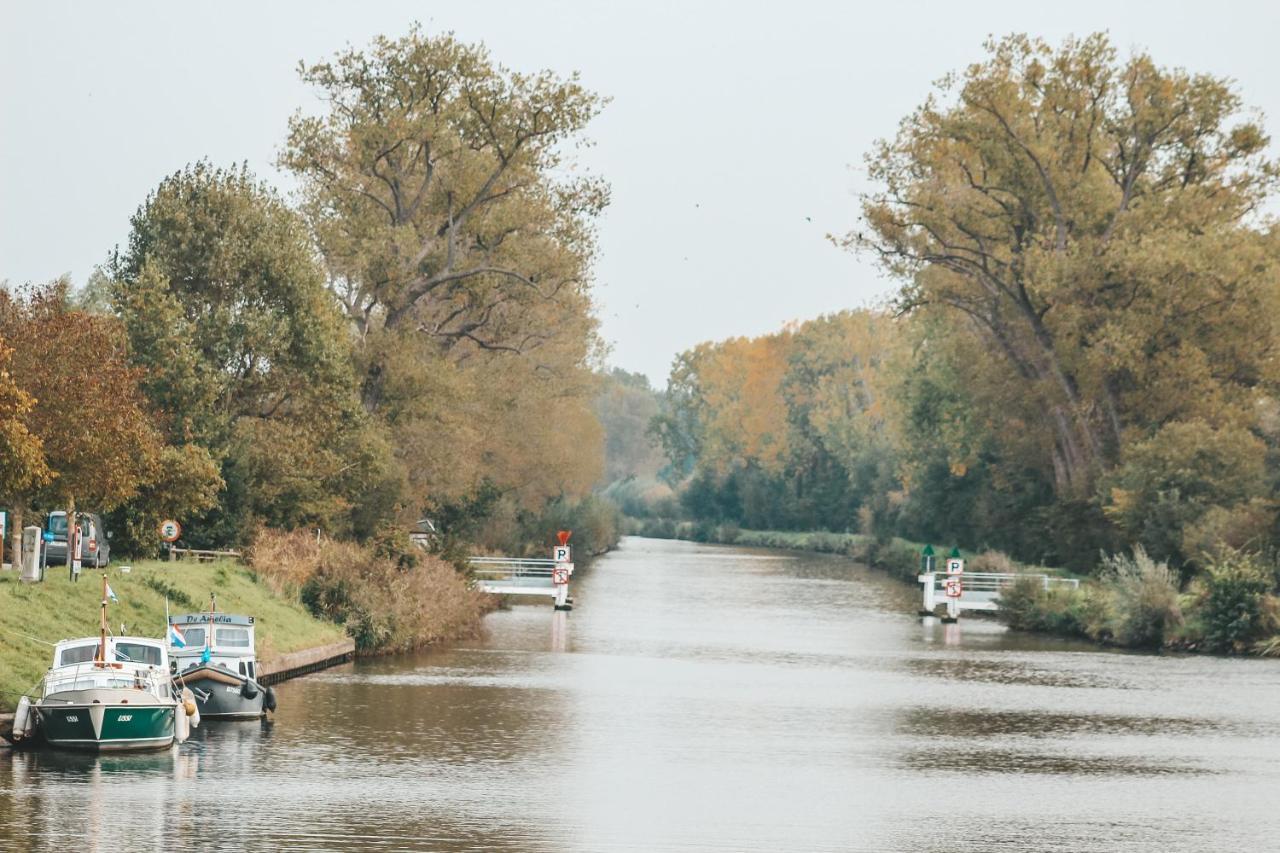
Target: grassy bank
59, 609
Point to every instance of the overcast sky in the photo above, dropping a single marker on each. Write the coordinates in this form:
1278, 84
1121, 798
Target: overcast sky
733, 142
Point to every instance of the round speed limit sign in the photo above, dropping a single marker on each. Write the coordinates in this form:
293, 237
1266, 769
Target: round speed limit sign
170, 530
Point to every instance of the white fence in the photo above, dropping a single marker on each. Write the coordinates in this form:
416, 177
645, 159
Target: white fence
980, 590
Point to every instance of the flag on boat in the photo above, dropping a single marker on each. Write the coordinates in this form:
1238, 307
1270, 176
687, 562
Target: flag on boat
111, 594
176, 638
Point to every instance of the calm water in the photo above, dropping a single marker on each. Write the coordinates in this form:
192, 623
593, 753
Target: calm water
706, 698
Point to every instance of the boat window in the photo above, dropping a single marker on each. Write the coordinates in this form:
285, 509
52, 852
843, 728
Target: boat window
193, 637
78, 654
138, 653
233, 637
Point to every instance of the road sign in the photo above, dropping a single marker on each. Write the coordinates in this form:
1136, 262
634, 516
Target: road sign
170, 530
955, 566
77, 550
953, 587
560, 553
560, 575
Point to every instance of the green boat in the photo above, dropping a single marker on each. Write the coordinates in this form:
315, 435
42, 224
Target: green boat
111, 693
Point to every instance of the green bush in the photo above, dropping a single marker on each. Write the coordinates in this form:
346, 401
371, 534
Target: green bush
898, 557
1067, 611
1236, 609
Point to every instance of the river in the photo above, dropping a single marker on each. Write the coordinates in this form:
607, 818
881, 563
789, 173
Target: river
706, 698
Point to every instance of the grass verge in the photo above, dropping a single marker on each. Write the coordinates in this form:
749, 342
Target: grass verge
59, 609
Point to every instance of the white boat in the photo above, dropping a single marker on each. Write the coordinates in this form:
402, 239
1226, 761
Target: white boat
108, 693
213, 654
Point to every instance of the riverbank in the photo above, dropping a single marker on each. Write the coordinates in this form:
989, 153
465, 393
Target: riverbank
33, 615
898, 557
1135, 603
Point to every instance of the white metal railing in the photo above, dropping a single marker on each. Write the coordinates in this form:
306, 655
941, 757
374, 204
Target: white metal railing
980, 590
995, 581
90, 675
503, 568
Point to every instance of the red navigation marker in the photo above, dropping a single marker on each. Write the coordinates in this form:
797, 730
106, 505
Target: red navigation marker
563, 536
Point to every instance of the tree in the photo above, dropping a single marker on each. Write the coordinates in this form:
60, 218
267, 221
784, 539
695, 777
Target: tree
433, 184
1093, 222
245, 351
429, 186
98, 439
23, 468
1169, 482
625, 406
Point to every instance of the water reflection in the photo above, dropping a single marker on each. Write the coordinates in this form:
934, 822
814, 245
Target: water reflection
703, 698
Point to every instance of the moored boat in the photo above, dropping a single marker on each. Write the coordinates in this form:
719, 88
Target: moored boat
110, 693
213, 654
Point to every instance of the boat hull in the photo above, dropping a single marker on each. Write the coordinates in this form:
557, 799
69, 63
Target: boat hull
220, 695
106, 725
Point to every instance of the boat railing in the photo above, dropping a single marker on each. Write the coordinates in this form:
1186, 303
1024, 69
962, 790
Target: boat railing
92, 674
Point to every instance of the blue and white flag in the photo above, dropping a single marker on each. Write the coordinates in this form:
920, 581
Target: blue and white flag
176, 638
111, 594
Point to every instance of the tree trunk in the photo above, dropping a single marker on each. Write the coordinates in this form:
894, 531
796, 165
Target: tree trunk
15, 535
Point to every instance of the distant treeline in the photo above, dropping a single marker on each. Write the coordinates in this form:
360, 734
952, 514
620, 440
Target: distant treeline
1081, 354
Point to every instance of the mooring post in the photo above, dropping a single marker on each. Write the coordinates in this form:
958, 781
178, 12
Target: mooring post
929, 581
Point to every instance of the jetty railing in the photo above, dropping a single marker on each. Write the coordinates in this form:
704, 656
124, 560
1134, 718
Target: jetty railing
981, 590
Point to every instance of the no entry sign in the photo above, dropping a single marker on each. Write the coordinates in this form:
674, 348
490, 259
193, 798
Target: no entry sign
560, 576
953, 587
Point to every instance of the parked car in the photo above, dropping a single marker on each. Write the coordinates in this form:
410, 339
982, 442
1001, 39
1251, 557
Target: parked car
96, 551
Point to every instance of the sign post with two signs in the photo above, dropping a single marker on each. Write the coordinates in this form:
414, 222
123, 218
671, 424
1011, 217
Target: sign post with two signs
562, 557
953, 586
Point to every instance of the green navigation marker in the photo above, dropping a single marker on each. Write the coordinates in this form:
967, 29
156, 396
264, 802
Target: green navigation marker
955, 553
926, 560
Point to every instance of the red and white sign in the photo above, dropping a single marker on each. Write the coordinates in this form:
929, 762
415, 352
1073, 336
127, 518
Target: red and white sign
955, 566
170, 530
560, 553
560, 575
77, 550
953, 587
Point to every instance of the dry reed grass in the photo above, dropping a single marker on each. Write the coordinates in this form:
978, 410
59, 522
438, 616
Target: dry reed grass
384, 608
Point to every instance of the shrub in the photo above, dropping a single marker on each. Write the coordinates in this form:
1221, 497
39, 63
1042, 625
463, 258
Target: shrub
1026, 605
1021, 605
898, 557
1142, 600
1235, 608
382, 606
992, 561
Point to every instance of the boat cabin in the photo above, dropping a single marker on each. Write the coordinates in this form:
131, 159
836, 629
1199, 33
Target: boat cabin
132, 662
228, 637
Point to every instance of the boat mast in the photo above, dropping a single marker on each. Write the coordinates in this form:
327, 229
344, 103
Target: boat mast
102, 643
